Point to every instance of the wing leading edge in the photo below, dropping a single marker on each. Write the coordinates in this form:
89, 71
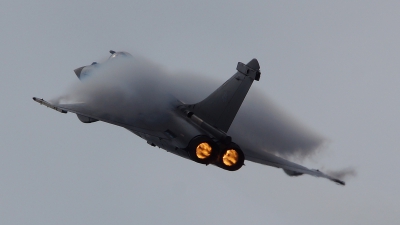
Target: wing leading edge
79, 109
292, 169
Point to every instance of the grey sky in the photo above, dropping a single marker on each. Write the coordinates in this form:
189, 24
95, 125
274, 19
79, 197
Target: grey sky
332, 65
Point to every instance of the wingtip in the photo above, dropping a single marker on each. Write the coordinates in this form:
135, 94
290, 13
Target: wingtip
339, 182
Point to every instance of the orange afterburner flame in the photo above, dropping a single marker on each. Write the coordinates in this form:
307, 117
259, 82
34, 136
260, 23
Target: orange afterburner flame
203, 150
230, 157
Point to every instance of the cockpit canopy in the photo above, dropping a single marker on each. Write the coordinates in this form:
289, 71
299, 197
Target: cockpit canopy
119, 54
84, 71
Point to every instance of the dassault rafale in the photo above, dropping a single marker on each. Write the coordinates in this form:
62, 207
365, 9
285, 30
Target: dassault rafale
197, 132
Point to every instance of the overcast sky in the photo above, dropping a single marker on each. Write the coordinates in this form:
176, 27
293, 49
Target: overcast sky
333, 65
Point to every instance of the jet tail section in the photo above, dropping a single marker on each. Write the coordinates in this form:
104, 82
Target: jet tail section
220, 108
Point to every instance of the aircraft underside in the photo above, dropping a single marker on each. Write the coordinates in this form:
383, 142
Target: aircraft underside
194, 131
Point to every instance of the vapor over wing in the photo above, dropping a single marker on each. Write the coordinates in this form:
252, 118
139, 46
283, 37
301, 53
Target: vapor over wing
89, 112
290, 168
82, 109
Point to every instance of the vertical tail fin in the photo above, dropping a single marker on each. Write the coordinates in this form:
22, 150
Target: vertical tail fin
220, 108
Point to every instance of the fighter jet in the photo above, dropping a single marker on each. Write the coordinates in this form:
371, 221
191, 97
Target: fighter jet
197, 132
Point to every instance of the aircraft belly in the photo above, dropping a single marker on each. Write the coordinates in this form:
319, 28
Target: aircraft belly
184, 130
173, 135
168, 129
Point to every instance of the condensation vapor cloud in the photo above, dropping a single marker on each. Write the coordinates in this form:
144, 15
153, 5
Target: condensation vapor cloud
120, 88
126, 87
260, 124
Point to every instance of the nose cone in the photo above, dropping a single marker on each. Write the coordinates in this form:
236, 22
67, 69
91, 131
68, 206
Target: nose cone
120, 55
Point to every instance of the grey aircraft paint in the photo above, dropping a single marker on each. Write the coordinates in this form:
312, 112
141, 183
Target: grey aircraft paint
181, 128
